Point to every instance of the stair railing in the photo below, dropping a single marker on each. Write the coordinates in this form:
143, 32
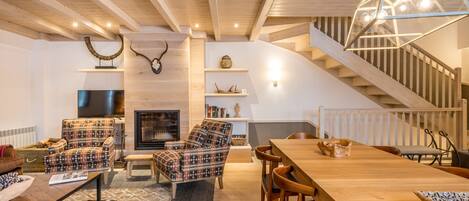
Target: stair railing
397, 126
411, 65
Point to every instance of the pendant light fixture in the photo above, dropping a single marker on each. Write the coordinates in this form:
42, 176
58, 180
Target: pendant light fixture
399, 22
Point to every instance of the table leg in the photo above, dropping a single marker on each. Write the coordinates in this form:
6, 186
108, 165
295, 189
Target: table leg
129, 169
98, 188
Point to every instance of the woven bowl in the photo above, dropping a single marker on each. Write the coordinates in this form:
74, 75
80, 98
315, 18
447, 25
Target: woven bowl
336, 148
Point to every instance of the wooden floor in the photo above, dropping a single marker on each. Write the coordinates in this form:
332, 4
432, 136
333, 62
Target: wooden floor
242, 182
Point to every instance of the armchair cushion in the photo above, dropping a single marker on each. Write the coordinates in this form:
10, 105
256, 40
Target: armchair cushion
85, 155
203, 162
175, 145
87, 132
58, 146
197, 137
219, 133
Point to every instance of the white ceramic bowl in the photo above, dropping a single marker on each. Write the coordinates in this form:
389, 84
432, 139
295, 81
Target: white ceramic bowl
16, 189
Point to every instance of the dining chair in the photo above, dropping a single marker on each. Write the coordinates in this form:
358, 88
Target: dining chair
288, 187
389, 149
268, 189
301, 135
463, 172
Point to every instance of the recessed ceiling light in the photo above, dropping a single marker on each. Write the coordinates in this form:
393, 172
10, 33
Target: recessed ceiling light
109, 25
196, 25
236, 25
402, 7
75, 24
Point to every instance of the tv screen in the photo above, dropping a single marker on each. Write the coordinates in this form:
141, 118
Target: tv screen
100, 103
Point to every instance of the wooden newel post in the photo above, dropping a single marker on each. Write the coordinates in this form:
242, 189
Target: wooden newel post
463, 137
458, 84
321, 122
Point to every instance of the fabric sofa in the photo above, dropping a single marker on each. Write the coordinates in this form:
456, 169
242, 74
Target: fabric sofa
9, 161
200, 157
86, 144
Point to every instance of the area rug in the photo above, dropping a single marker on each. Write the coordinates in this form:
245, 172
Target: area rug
142, 187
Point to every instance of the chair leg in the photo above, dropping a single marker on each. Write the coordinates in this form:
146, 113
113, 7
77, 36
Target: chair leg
106, 177
419, 158
262, 194
282, 195
157, 175
173, 190
220, 182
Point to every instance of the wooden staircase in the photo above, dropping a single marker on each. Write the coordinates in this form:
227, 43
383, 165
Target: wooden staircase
406, 77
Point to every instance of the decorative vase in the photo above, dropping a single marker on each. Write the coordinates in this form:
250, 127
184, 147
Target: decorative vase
225, 62
237, 109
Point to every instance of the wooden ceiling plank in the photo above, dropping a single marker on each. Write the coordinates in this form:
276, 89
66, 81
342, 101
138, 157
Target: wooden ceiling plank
215, 14
8, 8
10, 27
118, 13
77, 16
261, 18
167, 14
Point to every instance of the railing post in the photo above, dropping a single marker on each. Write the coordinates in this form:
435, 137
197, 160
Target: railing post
457, 83
463, 128
321, 122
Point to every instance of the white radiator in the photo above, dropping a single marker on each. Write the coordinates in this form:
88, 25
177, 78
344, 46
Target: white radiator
19, 137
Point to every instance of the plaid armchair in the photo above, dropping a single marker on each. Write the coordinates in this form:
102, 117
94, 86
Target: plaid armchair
86, 144
202, 156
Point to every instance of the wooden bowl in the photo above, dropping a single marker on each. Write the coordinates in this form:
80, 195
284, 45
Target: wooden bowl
338, 148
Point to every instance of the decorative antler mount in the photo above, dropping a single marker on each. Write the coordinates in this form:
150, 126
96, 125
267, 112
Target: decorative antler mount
155, 63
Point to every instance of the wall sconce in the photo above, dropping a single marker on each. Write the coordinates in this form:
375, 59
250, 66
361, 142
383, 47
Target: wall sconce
274, 72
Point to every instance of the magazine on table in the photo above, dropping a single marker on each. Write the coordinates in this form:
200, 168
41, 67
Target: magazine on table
68, 177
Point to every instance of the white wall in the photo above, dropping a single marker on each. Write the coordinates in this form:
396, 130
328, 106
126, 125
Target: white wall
302, 87
16, 81
39, 80
62, 79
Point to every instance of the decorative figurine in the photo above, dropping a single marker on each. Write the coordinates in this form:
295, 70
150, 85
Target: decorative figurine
225, 62
222, 112
237, 109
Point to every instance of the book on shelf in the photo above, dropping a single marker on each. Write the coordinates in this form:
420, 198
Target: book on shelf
68, 177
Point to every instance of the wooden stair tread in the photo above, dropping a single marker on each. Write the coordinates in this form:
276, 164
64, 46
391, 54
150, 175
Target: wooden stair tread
317, 54
345, 72
331, 63
372, 90
389, 100
360, 82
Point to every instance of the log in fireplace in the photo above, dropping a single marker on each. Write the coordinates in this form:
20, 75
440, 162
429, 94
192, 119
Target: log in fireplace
155, 127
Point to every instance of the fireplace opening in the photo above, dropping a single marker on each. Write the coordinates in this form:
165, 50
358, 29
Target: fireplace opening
155, 127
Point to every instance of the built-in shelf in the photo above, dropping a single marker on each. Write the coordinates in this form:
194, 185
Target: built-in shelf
225, 95
94, 70
232, 119
226, 70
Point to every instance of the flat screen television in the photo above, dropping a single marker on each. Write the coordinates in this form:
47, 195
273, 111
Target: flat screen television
100, 103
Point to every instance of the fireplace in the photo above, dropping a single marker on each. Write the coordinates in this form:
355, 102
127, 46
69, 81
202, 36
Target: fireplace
155, 127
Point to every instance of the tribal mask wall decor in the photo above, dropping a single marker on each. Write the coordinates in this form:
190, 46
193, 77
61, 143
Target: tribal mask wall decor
104, 57
155, 63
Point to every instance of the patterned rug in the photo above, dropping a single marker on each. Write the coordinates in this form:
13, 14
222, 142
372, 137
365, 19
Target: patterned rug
142, 187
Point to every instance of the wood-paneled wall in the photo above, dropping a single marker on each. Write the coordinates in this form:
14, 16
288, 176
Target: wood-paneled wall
145, 90
197, 82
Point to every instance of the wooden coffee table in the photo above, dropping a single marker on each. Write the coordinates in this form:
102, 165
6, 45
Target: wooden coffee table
40, 190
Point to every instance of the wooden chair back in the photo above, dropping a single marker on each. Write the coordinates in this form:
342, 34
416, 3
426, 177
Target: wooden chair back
263, 153
301, 135
389, 149
463, 172
286, 185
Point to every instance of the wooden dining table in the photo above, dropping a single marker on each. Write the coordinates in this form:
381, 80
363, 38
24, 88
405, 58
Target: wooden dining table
368, 174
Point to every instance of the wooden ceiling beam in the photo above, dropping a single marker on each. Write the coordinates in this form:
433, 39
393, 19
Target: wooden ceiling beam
20, 30
78, 17
118, 13
8, 8
261, 18
167, 15
215, 15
